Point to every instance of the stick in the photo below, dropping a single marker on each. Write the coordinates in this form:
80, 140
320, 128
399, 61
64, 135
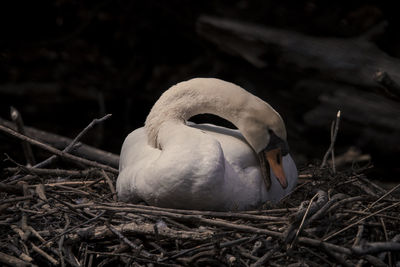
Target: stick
376, 247
16, 117
61, 142
382, 197
194, 218
338, 257
359, 234
74, 142
208, 246
11, 189
387, 239
360, 220
110, 185
220, 214
138, 249
12, 261
262, 261
302, 221
334, 131
73, 228
58, 152
54, 172
44, 254
134, 228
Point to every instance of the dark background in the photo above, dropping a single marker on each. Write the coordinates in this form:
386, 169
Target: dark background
63, 63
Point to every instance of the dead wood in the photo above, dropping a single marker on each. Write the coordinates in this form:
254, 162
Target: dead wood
57, 152
61, 142
350, 60
43, 219
348, 74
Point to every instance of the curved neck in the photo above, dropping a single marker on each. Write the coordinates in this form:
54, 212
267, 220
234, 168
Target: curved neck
207, 95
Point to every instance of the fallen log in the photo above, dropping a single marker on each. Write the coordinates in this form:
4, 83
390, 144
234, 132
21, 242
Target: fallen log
350, 60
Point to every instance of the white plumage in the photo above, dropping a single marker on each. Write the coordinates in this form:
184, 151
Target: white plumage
177, 164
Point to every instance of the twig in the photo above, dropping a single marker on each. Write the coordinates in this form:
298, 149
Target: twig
387, 239
359, 234
87, 183
23, 256
376, 247
12, 261
61, 142
194, 218
318, 244
338, 257
376, 262
382, 197
55, 172
334, 131
208, 246
299, 215
360, 220
322, 211
44, 254
11, 189
73, 228
58, 152
372, 184
16, 199
140, 228
74, 141
138, 249
263, 260
302, 221
218, 214
16, 117
110, 185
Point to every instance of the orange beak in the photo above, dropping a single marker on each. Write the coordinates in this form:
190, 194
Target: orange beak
274, 158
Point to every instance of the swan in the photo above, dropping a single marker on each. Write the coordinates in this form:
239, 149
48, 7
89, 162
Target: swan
173, 163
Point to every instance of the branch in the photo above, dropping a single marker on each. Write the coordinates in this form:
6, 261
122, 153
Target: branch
334, 131
56, 151
61, 142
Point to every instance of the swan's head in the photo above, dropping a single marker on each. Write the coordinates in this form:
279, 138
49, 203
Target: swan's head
265, 131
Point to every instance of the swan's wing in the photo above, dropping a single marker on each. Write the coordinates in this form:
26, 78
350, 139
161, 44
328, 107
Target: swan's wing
239, 154
244, 186
236, 149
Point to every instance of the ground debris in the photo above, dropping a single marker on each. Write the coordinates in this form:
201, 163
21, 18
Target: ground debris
74, 220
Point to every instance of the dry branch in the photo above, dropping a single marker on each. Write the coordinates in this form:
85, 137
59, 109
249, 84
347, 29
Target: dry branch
133, 228
61, 142
57, 152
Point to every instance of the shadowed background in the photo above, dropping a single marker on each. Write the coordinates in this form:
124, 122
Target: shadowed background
63, 63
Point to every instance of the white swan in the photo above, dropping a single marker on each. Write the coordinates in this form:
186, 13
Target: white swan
173, 163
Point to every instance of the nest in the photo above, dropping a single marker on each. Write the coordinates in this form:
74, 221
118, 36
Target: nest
69, 217
72, 217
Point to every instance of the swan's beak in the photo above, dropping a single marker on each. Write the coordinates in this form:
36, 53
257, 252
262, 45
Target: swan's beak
274, 158
264, 166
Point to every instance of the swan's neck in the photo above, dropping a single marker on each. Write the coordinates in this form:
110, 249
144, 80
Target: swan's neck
206, 95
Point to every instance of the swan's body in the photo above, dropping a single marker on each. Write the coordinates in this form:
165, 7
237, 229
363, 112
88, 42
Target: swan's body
170, 163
